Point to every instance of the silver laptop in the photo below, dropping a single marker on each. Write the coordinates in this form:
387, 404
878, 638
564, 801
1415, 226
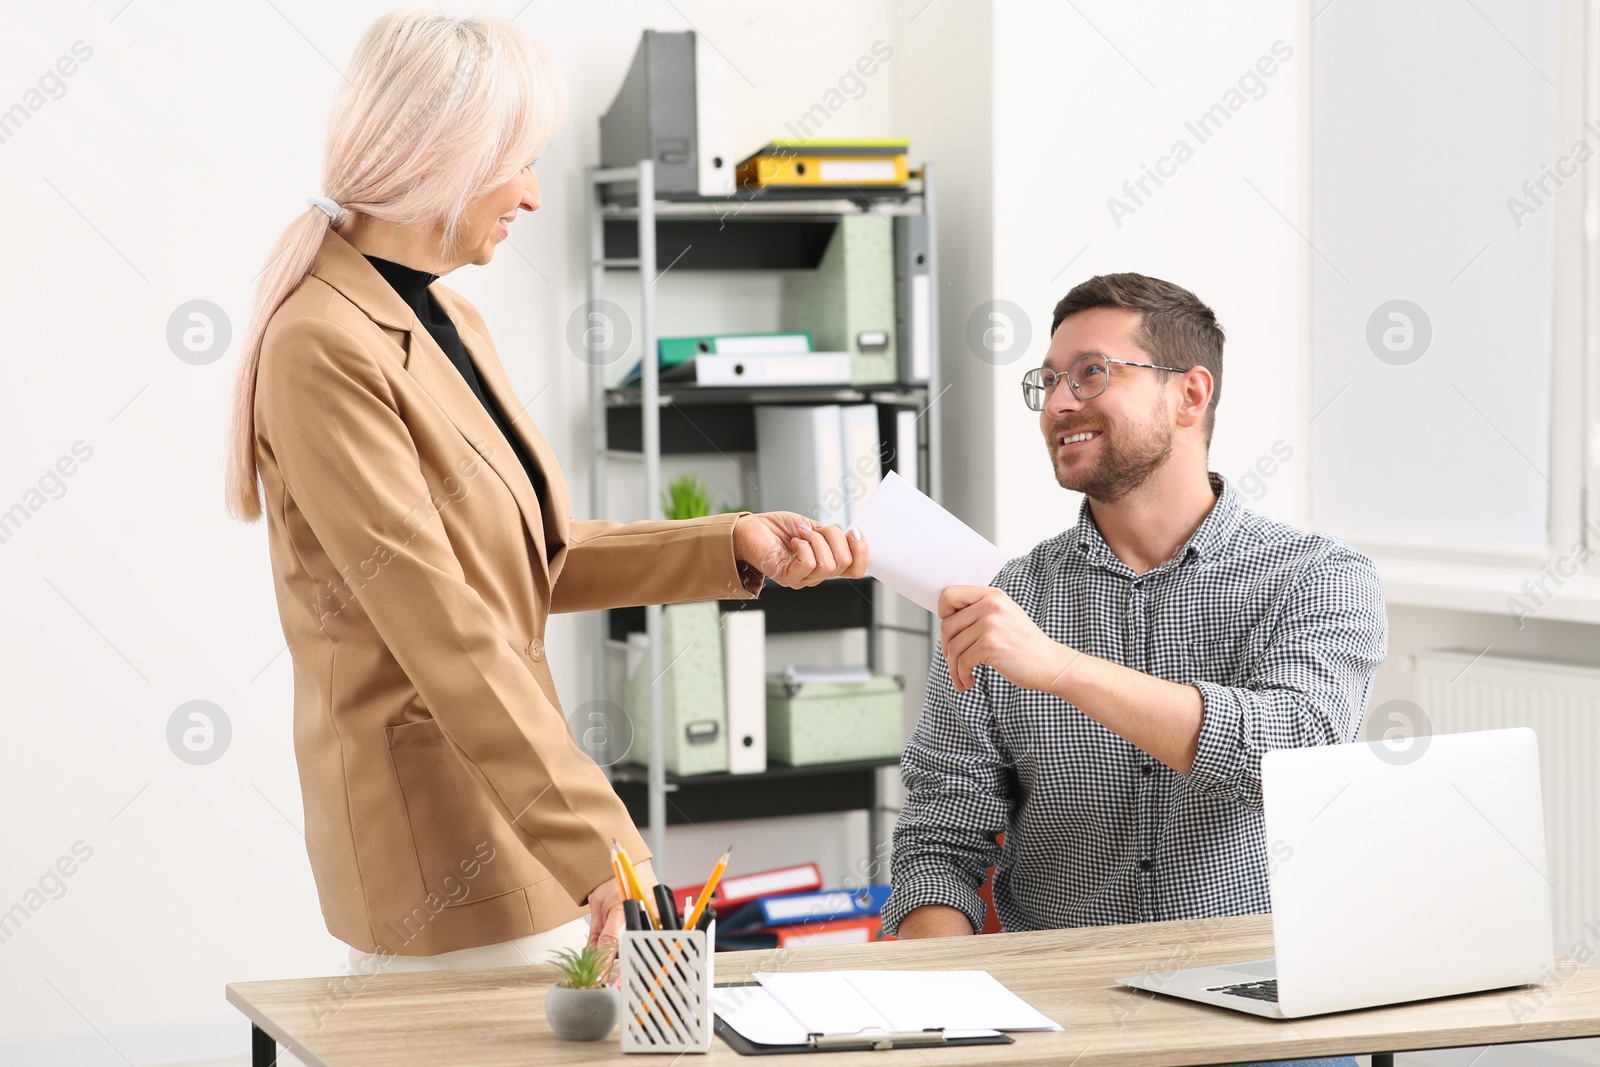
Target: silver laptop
1398, 874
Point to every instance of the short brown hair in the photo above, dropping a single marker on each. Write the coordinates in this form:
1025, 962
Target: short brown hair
1175, 328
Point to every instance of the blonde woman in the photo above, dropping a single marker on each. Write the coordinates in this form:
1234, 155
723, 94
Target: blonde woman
419, 529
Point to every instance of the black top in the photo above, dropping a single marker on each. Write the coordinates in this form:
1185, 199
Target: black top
412, 285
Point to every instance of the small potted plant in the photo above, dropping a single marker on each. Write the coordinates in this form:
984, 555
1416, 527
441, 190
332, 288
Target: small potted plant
583, 1006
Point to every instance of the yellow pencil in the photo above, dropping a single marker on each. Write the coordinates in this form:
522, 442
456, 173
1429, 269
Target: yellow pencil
705, 894
633, 881
616, 869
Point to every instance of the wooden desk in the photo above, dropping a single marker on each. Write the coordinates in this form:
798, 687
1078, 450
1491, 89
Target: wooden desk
495, 1018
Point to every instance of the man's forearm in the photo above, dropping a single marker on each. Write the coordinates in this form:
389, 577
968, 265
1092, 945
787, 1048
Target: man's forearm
1159, 716
934, 920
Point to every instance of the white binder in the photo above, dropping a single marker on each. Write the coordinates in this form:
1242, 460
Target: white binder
859, 447
713, 116
744, 643
906, 453
802, 368
798, 461
913, 298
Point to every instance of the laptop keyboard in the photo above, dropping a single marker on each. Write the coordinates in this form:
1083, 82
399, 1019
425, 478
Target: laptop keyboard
1263, 990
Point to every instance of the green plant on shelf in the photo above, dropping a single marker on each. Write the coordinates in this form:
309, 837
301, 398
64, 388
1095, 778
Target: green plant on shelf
688, 497
586, 968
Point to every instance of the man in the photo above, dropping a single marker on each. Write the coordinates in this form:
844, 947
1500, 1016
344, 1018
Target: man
1107, 702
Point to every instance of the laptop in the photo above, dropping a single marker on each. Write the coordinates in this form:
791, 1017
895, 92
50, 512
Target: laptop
1398, 874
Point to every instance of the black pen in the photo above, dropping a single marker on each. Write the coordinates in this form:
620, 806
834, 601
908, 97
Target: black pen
633, 915
667, 908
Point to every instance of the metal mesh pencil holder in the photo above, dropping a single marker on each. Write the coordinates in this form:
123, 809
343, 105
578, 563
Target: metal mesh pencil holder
665, 982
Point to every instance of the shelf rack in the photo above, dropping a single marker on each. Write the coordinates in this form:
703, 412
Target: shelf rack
765, 229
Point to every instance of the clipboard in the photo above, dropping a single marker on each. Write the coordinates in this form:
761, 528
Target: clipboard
849, 1042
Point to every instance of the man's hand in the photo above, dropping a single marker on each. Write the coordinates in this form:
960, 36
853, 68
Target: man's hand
605, 905
934, 920
982, 624
795, 552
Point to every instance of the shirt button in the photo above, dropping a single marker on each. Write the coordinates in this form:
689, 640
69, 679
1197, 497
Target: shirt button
1148, 769
1145, 864
536, 650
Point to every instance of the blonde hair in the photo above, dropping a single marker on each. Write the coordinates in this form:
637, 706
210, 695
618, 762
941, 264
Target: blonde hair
434, 112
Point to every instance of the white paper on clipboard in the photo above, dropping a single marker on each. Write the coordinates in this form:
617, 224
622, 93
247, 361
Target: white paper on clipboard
916, 547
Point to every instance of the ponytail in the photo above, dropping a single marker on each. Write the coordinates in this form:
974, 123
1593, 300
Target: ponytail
287, 266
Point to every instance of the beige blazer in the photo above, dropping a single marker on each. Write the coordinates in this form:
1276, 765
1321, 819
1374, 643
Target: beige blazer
447, 804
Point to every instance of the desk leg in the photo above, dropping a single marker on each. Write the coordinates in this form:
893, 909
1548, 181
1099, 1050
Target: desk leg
1383, 1059
263, 1049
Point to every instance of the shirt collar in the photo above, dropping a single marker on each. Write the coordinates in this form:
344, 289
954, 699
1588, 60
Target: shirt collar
1212, 535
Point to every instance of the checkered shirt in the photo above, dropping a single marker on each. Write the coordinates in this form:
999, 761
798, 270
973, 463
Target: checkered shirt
1280, 630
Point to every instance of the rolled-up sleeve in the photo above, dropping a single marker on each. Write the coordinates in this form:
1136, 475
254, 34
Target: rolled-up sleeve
1308, 685
957, 802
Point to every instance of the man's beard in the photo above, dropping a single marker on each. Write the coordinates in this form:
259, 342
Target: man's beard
1124, 465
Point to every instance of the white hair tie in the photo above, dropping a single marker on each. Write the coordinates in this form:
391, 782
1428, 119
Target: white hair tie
326, 206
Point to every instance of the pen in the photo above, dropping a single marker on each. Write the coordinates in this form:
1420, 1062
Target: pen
705, 894
707, 917
632, 915
667, 908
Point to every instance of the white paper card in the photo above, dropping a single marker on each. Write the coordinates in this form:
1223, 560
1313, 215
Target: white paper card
916, 547
847, 1002
754, 1012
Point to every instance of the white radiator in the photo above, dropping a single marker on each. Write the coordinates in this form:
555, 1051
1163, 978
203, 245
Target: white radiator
1561, 703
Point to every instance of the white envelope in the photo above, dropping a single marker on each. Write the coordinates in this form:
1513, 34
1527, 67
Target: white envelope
916, 547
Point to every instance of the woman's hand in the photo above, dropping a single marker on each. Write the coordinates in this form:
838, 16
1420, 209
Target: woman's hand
795, 552
605, 905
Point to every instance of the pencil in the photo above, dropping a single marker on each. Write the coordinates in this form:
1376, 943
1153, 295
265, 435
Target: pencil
616, 869
633, 881
705, 894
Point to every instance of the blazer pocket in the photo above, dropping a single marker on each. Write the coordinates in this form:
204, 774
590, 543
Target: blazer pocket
453, 824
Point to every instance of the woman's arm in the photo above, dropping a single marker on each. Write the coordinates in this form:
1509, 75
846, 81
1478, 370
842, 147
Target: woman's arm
620, 565
721, 557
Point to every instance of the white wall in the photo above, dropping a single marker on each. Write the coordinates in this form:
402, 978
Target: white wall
1086, 98
1040, 113
944, 101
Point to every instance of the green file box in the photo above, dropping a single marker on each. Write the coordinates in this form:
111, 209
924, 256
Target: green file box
694, 707
850, 305
834, 722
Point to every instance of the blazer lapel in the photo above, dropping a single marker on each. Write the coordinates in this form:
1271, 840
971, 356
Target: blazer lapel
557, 517
341, 266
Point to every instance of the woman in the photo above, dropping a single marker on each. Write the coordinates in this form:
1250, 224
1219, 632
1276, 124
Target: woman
419, 530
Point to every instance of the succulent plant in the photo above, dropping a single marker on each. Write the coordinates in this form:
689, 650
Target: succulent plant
586, 968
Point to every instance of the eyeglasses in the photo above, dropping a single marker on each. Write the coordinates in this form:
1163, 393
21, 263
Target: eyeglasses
1087, 378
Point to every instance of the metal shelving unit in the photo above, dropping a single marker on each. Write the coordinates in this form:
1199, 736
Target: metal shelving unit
761, 230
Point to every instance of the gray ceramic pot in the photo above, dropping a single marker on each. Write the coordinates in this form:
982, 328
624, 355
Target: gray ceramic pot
581, 1014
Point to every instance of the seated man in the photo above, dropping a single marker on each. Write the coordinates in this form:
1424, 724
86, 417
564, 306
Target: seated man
1106, 704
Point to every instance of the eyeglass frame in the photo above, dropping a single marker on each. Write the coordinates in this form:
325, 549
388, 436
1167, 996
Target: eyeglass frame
1047, 390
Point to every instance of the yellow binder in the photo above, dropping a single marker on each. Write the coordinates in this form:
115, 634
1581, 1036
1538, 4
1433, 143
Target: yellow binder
826, 163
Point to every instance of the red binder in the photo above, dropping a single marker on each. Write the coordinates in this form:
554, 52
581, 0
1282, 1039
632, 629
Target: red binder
736, 890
